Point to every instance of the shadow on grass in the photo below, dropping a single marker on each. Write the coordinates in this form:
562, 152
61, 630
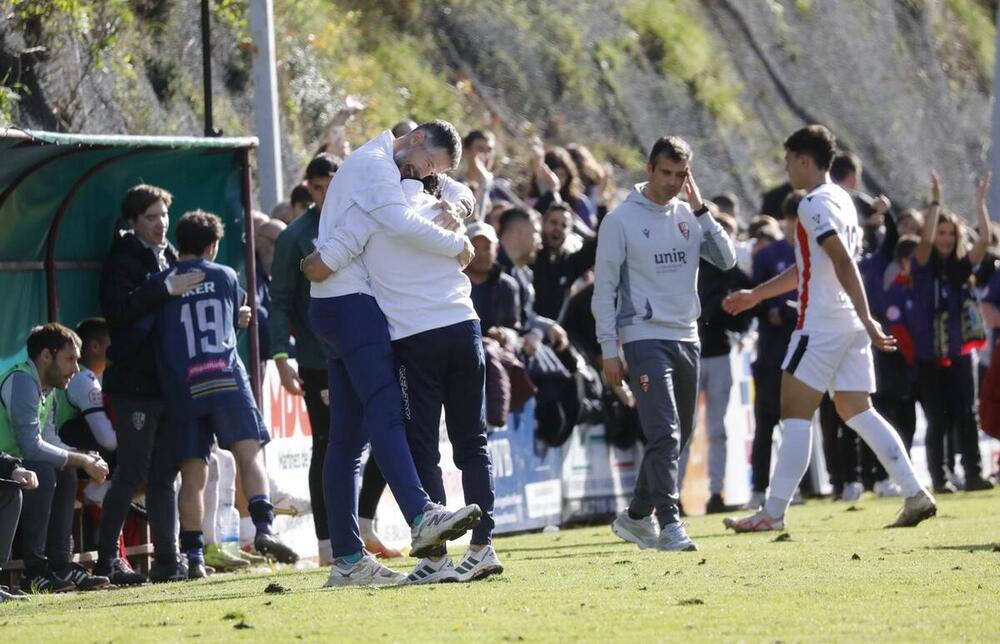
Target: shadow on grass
558, 546
979, 547
41, 609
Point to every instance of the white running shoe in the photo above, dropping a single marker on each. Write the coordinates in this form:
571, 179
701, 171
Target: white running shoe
760, 521
673, 536
852, 492
915, 509
286, 503
797, 498
366, 572
756, 501
642, 532
432, 572
886, 489
439, 526
478, 565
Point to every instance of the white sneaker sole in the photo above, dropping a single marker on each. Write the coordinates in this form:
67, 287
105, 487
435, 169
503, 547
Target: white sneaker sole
344, 582
690, 546
625, 534
482, 572
462, 521
443, 577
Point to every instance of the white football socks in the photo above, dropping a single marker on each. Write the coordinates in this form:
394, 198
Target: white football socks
793, 460
367, 529
885, 442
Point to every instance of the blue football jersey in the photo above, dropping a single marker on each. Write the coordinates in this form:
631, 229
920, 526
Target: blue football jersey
200, 369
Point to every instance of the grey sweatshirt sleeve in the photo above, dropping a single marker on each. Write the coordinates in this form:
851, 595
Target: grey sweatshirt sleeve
20, 395
716, 246
607, 273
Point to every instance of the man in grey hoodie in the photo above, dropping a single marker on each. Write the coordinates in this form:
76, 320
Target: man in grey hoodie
646, 297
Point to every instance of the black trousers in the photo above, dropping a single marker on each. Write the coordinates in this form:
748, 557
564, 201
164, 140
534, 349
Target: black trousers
840, 446
313, 382
949, 398
144, 457
766, 416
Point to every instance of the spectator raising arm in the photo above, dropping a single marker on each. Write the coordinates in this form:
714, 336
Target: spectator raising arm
978, 250
926, 245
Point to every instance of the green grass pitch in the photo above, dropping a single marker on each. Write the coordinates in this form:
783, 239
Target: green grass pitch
840, 576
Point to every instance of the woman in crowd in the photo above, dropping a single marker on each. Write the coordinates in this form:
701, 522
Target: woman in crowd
948, 327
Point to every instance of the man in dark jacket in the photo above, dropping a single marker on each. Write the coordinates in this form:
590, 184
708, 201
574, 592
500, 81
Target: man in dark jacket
133, 387
494, 293
519, 243
555, 267
715, 378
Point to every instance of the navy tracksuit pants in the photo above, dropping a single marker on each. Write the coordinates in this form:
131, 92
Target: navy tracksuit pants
365, 406
445, 367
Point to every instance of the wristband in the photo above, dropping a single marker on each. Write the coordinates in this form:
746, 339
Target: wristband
701, 211
280, 356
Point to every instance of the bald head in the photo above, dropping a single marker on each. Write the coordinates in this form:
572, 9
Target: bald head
265, 236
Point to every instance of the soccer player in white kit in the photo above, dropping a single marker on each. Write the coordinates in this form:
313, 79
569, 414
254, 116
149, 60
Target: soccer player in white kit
830, 349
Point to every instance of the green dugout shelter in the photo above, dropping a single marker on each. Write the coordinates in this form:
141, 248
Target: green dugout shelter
60, 199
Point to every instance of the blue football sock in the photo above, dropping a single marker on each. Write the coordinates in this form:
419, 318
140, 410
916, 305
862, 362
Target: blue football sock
352, 558
262, 513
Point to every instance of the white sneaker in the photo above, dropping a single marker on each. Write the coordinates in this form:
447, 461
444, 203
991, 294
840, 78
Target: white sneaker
886, 489
673, 536
286, 503
760, 521
366, 572
478, 565
438, 526
852, 492
642, 532
797, 498
756, 501
432, 572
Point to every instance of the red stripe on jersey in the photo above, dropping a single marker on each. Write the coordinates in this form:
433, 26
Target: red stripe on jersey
803, 241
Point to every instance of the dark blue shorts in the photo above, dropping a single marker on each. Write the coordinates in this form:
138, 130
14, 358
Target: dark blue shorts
193, 438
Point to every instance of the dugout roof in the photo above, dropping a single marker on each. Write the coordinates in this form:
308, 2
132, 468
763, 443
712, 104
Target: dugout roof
60, 197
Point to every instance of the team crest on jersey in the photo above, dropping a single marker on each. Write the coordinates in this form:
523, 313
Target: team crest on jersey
685, 230
644, 382
645, 231
138, 420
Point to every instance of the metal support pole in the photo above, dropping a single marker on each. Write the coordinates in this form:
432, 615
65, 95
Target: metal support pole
265, 85
206, 68
995, 143
251, 264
